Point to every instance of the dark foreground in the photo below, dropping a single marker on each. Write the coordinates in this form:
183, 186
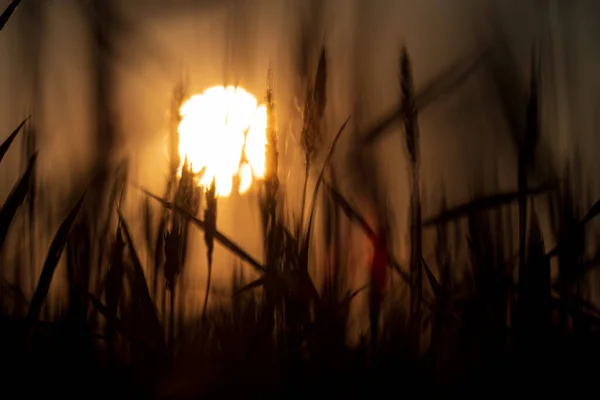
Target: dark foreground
60, 362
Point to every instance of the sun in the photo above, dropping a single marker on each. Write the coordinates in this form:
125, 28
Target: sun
223, 131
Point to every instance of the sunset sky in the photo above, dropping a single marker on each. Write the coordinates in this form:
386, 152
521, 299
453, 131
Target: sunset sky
209, 43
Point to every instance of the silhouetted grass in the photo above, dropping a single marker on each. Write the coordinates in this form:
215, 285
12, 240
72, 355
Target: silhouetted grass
447, 323
5, 16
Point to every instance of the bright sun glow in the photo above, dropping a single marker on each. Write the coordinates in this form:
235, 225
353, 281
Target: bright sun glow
224, 130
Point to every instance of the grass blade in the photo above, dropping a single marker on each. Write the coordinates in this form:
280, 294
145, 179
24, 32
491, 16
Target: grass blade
15, 199
344, 304
159, 256
437, 288
114, 281
117, 322
350, 212
251, 285
8, 13
6, 144
354, 215
108, 314
225, 241
320, 179
592, 213
455, 76
15, 290
482, 204
148, 218
320, 86
140, 285
56, 248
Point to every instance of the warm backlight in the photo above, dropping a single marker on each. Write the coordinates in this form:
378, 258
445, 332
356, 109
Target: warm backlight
224, 131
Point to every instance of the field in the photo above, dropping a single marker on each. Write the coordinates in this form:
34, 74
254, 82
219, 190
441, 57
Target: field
479, 303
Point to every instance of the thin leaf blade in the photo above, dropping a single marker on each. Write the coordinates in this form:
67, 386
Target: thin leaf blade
8, 141
448, 81
140, 285
221, 238
15, 199
56, 249
254, 284
484, 203
5, 16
